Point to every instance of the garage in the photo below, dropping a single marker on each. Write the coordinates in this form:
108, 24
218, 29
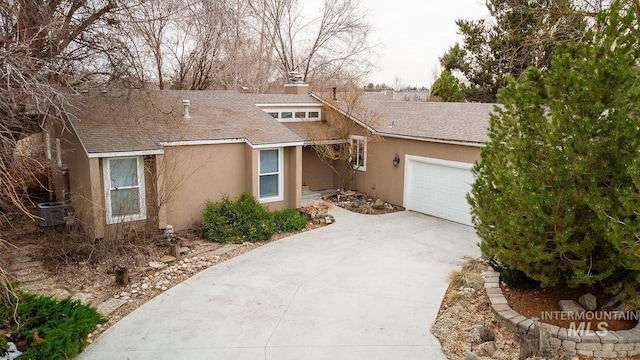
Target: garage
438, 187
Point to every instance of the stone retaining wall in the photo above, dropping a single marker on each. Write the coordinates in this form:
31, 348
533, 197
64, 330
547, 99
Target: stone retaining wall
613, 344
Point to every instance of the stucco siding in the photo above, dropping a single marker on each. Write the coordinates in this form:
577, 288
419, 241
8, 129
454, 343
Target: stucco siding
315, 174
194, 174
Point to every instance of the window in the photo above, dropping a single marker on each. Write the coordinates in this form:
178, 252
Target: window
287, 114
301, 115
359, 152
314, 114
274, 115
270, 174
124, 189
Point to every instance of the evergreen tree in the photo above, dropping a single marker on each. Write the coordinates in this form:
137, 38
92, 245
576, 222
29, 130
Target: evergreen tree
522, 34
448, 88
557, 191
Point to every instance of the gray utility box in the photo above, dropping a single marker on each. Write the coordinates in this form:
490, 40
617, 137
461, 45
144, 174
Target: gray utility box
51, 213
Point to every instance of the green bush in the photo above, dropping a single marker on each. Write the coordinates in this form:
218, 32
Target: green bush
512, 277
288, 220
557, 190
54, 329
245, 219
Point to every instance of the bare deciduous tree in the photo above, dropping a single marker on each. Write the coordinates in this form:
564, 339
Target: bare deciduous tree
326, 46
341, 142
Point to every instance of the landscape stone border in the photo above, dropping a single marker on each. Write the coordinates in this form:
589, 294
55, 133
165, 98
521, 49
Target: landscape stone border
612, 345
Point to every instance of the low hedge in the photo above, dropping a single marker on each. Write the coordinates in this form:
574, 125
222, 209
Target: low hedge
245, 219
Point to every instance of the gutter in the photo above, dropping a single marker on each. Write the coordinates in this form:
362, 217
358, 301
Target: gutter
441, 141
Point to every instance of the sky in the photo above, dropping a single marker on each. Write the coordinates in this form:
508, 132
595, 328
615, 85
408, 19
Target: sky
414, 34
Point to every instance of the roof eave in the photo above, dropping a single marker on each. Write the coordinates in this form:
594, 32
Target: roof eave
435, 140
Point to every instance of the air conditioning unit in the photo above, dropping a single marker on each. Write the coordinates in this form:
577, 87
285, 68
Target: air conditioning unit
51, 213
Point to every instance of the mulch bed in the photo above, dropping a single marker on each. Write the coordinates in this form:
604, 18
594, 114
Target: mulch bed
538, 302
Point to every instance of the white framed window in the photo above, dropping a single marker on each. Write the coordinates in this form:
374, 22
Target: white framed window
359, 152
124, 189
294, 114
270, 175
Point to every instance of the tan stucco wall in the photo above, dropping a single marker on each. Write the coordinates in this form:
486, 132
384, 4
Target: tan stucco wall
315, 174
194, 174
177, 183
383, 180
85, 182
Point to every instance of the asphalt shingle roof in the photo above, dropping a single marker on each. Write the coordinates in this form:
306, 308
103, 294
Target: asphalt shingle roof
122, 121
459, 122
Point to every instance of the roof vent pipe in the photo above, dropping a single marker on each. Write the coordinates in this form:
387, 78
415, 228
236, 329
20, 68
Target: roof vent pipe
185, 109
335, 95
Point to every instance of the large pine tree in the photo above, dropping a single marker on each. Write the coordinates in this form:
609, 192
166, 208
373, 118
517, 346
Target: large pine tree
519, 34
557, 191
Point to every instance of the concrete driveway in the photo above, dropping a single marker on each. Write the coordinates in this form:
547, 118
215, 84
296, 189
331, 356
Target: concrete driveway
365, 287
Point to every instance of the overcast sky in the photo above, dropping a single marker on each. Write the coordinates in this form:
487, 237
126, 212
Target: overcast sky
414, 33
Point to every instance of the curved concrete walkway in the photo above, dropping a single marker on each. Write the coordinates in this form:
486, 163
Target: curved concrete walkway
365, 287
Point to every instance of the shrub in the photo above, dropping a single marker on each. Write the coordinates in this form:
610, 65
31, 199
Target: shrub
237, 221
54, 329
288, 220
245, 219
513, 277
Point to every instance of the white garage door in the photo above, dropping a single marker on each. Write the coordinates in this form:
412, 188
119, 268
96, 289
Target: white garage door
438, 187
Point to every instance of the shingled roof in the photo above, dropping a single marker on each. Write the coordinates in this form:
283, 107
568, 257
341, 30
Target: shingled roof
440, 121
133, 121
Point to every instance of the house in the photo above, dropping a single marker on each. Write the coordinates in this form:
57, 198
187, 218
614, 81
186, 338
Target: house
424, 161
136, 158
425, 157
153, 158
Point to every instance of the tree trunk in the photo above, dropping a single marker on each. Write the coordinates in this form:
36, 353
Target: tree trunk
528, 346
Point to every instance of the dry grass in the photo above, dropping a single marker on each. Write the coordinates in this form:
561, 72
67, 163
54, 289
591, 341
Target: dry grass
465, 279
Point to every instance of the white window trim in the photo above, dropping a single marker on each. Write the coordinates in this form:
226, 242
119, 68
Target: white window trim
360, 140
293, 112
280, 174
106, 170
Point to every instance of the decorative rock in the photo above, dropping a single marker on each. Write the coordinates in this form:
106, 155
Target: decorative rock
107, 307
167, 259
140, 260
84, 297
486, 334
471, 356
378, 205
487, 349
155, 265
12, 352
144, 286
571, 306
588, 301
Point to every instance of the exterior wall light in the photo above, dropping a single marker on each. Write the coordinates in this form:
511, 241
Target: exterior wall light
396, 160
